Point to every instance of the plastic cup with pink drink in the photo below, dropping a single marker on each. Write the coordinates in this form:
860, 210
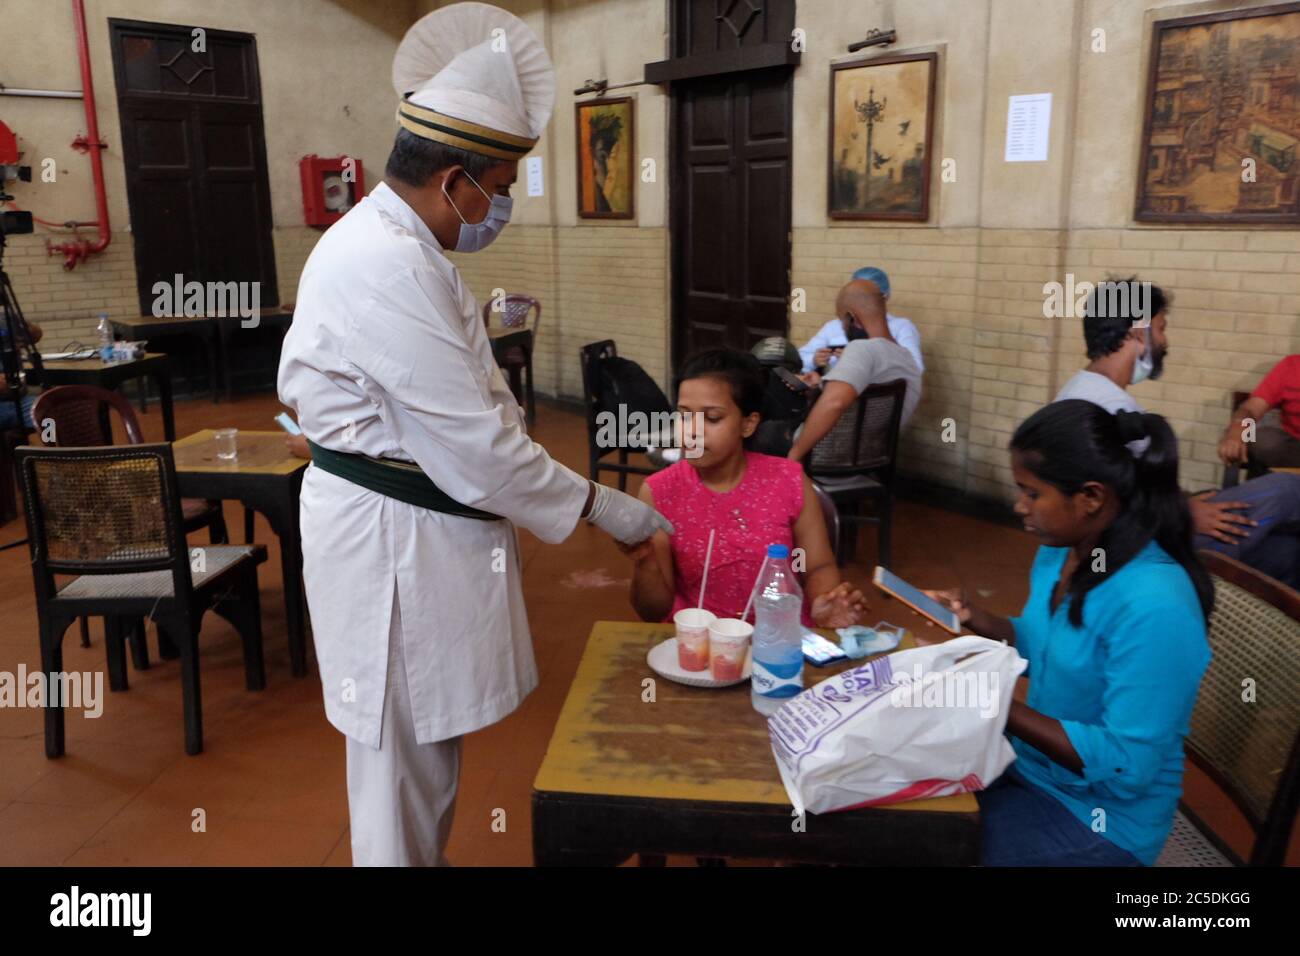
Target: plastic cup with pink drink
693, 625
728, 644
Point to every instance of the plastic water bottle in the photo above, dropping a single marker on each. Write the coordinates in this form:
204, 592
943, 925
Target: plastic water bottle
105, 331
778, 634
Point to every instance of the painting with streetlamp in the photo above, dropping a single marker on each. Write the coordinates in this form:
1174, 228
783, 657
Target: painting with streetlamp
881, 126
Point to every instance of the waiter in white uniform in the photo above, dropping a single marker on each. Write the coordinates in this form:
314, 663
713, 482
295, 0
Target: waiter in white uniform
420, 464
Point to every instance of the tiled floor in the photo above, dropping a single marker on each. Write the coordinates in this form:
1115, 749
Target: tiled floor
269, 786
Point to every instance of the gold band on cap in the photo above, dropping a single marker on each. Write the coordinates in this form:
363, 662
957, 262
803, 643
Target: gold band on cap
472, 137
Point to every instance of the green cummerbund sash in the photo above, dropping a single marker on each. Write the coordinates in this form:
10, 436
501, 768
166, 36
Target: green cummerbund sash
395, 479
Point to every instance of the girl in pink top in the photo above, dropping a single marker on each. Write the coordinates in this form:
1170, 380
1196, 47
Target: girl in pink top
749, 500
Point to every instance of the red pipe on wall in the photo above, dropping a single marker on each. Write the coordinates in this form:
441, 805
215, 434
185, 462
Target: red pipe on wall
77, 250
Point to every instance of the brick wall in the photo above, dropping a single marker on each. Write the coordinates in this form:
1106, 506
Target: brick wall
992, 358
593, 282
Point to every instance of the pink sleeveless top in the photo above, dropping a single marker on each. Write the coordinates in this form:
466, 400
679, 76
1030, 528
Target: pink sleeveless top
759, 511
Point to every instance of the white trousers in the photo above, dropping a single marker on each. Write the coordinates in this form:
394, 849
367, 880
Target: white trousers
401, 797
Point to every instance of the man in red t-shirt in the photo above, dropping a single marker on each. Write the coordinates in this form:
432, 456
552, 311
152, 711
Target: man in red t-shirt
1273, 447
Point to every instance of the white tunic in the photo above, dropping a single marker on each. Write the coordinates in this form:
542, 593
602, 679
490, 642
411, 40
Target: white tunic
387, 357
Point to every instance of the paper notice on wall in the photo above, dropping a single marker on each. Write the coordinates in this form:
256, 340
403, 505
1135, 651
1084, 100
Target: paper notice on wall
534, 166
1029, 121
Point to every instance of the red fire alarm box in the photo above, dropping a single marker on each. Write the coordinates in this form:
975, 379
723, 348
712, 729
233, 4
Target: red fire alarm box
330, 187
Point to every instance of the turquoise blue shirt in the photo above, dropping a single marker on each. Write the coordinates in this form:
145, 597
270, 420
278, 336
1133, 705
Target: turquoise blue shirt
1122, 685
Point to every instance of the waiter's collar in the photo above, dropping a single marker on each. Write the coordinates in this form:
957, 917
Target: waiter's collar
397, 207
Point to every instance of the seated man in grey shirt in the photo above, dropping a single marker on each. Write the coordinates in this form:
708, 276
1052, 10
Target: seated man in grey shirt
871, 357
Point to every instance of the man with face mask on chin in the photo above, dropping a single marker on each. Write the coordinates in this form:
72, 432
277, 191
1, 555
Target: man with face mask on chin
871, 356
420, 464
1125, 328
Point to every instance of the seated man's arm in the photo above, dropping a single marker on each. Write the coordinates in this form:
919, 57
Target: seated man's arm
835, 399
1232, 447
808, 351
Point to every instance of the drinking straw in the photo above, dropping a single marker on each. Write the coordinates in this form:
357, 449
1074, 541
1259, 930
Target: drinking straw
754, 590
708, 556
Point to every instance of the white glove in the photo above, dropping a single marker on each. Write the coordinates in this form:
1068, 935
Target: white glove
626, 519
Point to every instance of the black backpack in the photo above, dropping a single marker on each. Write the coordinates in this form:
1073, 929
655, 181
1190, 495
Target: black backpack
623, 382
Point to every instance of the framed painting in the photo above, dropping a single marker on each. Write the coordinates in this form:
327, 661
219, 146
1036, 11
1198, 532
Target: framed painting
1221, 133
606, 158
881, 129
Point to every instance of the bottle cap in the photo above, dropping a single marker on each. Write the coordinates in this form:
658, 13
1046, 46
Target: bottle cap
778, 551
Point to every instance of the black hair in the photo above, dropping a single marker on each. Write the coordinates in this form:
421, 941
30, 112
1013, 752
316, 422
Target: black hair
1111, 309
1072, 442
414, 160
741, 371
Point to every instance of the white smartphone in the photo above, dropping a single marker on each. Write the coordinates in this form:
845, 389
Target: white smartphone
287, 423
891, 583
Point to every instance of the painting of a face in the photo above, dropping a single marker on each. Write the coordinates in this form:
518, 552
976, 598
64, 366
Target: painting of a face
605, 159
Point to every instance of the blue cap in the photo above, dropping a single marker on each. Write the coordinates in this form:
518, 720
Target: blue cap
872, 274
779, 551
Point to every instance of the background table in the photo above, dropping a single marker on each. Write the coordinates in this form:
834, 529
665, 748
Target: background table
693, 773
110, 375
140, 328
278, 317
266, 478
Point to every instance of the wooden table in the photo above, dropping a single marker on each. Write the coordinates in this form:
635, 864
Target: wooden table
213, 332
279, 317
692, 772
140, 328
110, 375
266, 478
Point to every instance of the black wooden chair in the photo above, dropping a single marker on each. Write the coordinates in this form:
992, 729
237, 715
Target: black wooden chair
1250, 749
112, 517
855, 462
79, 416
591, 357
521, 312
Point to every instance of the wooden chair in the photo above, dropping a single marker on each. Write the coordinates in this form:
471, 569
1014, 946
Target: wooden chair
591, 357
829, 512
112, 517
518, 311
855, 462
1251, 750
78, 416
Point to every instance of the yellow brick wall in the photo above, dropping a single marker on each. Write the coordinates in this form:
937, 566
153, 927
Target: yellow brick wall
66, 302
593, 282
992, 358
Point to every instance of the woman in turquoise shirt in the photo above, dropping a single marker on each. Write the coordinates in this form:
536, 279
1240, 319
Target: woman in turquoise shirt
1114, 632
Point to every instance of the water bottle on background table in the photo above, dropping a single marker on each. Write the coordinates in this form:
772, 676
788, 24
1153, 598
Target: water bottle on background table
105, 332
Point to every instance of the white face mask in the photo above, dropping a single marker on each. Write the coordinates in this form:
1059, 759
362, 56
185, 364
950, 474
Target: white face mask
479, 235
1146, 363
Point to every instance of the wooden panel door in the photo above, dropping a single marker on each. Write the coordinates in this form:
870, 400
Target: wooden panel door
195, 155
731, 209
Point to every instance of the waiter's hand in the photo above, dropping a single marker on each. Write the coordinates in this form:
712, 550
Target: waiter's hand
625, 518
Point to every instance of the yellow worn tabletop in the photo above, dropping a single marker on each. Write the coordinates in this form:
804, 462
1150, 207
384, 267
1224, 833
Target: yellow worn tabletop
687, 743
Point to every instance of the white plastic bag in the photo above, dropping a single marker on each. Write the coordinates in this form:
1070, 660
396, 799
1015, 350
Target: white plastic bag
924, 722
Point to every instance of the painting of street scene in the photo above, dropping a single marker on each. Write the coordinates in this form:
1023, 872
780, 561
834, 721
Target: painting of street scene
881, 111
1223, 126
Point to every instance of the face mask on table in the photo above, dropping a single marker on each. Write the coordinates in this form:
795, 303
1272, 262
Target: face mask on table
479, 235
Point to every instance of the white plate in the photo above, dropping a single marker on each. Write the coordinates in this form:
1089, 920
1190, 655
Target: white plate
663, 661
